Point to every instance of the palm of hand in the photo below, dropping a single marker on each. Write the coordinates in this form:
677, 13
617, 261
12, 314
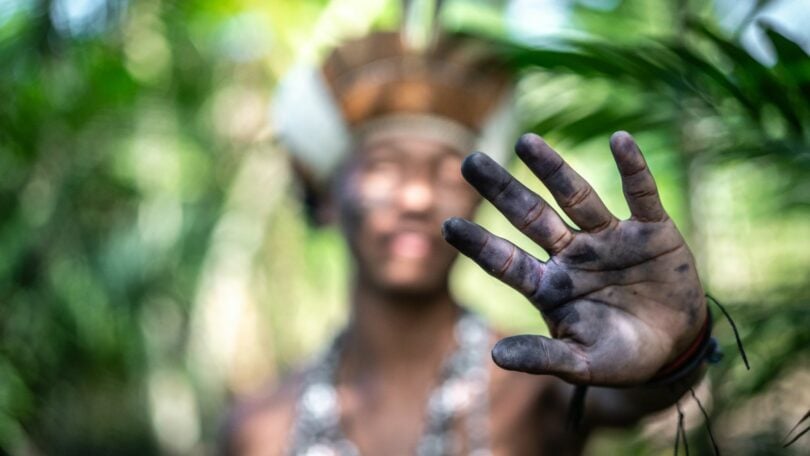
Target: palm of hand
621, 298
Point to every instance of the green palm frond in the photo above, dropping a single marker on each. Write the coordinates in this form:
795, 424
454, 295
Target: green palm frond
759, 110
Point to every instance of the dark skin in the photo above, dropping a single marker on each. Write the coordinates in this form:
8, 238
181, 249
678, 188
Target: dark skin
621, 298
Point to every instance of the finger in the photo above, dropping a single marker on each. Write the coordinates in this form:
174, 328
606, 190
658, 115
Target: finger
497, 256
522, 207
542, 355
574, 195
638, 183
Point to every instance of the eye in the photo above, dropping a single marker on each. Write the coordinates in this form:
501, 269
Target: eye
379, 177
381, 165
449, 171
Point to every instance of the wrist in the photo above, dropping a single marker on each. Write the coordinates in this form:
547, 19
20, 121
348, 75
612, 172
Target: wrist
703, 347
695, 321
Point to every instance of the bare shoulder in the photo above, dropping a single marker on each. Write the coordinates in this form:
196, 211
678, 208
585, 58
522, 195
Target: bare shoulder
260, 424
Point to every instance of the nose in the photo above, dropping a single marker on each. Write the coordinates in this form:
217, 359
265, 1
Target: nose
416, 195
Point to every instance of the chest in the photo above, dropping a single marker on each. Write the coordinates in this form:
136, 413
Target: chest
471, 405
517, 419
384, 419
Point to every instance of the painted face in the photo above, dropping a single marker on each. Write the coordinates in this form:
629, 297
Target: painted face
393, 197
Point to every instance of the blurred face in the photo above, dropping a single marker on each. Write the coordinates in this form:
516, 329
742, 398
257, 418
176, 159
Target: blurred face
393, 197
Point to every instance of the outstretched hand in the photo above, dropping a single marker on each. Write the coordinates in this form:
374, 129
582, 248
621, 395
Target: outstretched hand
622, 298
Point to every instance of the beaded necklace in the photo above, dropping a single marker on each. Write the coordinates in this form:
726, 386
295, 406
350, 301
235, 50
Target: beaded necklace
461, 393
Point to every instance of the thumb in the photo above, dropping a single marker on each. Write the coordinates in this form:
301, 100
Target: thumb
542, 355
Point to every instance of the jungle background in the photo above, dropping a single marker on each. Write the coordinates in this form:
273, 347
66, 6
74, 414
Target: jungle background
155, 261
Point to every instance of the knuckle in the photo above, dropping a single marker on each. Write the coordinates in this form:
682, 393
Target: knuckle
579, 196
604, 225
634, 169
532, 215
503, 189
561, 242
643, 192
507, 263
482, 247
554, 168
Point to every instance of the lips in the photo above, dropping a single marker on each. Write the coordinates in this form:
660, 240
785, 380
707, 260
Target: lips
410, 244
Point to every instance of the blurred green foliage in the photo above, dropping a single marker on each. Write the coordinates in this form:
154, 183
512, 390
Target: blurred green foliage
154, 260
111, 182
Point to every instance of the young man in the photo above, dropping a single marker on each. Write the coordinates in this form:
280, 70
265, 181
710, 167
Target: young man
412, 372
